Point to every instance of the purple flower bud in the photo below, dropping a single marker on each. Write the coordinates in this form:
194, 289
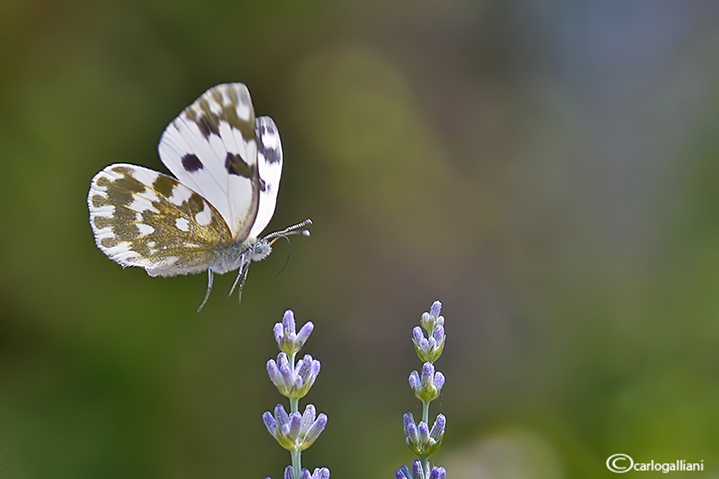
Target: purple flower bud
314, 431
302, 337
270, 422
281, 415
289, 473
417, 334
435, 309
438, 381
423, 432
408, 419
427, 373
288, 322
438, 428
308, 417
438, 334
414, 381
437, 473
274, 373
321, 473
403, 473
295, 425
412, 438
417, 470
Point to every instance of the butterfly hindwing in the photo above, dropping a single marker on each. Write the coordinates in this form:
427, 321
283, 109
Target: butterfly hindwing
269, 164
143, 218
211, 148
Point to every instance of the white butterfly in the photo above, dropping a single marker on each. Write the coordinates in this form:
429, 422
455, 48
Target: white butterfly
228, 166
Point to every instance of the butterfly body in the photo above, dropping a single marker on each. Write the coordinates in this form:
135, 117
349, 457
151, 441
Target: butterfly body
209, 217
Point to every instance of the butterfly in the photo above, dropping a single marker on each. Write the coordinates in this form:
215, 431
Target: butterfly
209, 217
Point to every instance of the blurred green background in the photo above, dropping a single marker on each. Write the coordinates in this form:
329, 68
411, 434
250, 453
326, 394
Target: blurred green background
548, 170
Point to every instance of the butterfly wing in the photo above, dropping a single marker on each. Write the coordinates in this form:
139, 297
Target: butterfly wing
143, 218
269, 164
211, 148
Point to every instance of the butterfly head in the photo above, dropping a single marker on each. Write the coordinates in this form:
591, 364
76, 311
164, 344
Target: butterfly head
260, 249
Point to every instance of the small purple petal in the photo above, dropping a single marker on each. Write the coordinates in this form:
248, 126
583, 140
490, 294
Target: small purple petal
439, 380
427, 372
295, 425
403, 473
289, 473
274, 373
305, 474
288, 321
288, 377
438, 333
278, 330
417, 334
281, 415
438, 427
304, 366
417, 470
308, 417
436, 309
304, 333
408, 419
270, 423
423, 432
314, 431
414, 380
412, 435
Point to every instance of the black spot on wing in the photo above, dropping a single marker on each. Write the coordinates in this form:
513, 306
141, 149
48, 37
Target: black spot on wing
265, 130
191, 163
235, 165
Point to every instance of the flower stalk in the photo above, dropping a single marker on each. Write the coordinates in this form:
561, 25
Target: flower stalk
428, 339
295, 431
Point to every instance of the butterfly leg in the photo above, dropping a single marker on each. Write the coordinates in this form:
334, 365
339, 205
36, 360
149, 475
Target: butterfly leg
241, 274
209, 288
242, 283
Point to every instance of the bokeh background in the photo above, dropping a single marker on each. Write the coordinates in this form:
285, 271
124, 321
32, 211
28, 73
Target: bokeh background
548, 170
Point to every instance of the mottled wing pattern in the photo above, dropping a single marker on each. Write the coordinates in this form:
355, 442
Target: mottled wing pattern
143, 218
210, 147
269, 163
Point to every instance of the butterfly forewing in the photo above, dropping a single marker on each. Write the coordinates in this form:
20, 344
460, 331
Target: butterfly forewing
211, 148
143, 218
269, 164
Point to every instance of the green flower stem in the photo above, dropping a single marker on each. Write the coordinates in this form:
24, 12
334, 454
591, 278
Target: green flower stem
295, 454
296, 462
425, 419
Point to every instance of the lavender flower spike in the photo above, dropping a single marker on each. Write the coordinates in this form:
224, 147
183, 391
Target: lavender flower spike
286, 337
428, 340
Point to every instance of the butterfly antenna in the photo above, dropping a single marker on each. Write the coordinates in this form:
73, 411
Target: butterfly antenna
291, 230
287, 258
209, 288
